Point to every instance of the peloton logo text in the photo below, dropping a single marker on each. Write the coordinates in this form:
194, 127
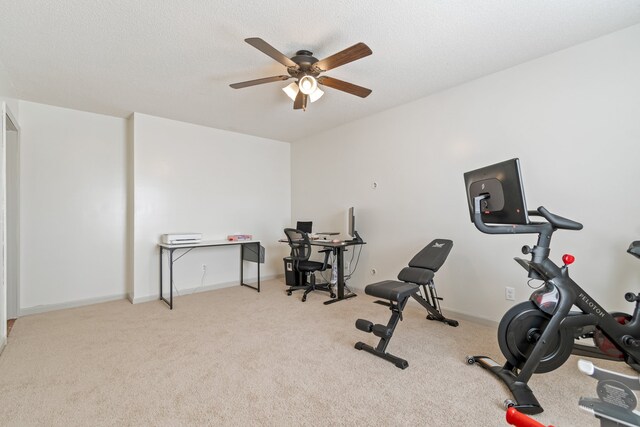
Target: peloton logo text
592, 305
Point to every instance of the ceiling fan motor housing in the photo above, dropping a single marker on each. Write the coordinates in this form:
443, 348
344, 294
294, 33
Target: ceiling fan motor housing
305, 60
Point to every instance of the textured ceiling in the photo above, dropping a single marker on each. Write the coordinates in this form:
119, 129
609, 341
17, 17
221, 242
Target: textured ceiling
176, 58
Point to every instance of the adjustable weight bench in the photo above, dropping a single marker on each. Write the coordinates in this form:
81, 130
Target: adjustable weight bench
416, 279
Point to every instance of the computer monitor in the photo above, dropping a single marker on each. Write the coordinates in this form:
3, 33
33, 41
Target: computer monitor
502, 182
351, 218
304, 226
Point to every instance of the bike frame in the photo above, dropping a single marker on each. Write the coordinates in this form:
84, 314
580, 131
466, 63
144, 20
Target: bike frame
592, 314
570, 294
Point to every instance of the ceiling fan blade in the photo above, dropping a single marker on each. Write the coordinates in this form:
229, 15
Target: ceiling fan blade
356, 90
299, 102
271, 51
357, 51
258, 81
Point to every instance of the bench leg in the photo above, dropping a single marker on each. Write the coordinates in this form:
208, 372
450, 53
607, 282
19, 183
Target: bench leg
385, 334
399, 362
432, 305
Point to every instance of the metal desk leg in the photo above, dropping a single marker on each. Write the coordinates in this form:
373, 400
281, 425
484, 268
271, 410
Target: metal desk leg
161, 248
340, 263
242, 265
170, 260
242, 268
258, 252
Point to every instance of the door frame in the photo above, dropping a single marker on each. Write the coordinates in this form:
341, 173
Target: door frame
13, 303
9, 124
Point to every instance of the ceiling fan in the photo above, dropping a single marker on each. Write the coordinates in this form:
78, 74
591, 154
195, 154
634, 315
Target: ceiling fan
306, 70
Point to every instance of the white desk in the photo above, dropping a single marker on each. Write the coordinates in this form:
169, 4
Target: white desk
252, 254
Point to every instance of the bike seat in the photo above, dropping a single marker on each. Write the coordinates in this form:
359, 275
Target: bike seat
634, 249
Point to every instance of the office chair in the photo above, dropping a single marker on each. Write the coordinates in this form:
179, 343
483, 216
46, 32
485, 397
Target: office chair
305, 226
300, 253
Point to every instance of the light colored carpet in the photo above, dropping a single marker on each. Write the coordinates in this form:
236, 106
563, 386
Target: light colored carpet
238, 357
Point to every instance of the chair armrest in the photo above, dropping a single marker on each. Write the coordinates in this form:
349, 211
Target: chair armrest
326, 253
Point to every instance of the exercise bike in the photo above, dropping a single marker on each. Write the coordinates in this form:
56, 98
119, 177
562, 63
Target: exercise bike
539, 335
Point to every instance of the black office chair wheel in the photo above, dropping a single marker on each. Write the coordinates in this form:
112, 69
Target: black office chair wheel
304, 298
289, 293
332, 295
470, 360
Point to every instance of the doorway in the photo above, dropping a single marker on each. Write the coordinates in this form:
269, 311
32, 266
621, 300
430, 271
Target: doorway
12, 179
9, 221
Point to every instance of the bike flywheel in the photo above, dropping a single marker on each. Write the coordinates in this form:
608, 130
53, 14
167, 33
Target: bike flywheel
519, 331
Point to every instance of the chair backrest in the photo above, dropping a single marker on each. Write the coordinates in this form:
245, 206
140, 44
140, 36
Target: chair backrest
305, 226
299, 244
433, 255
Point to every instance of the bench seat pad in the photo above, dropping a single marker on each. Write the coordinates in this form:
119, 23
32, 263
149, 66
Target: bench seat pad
391, 290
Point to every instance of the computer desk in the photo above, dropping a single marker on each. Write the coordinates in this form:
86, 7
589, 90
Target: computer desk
338, 250
254, 254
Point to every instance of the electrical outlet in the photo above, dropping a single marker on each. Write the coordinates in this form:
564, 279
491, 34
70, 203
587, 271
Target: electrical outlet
509, 294
347, 266
204, 267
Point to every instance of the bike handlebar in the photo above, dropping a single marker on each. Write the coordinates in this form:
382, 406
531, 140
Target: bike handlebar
559, 222
553, 223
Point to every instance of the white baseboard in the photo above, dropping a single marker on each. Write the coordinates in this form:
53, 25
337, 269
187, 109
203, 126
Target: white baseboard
196, 289
451, 314
79, 303
71, 304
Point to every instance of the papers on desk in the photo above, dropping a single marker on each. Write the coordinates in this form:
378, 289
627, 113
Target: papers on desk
328, 242
239, 237
323, 235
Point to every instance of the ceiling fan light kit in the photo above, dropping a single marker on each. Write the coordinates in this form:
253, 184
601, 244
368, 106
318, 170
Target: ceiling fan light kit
315, 95
307, 84
291, 90
306, 70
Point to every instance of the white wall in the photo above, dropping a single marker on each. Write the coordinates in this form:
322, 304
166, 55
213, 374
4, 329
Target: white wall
195, 178
72, 207
6, 87
573, 118
91, 184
